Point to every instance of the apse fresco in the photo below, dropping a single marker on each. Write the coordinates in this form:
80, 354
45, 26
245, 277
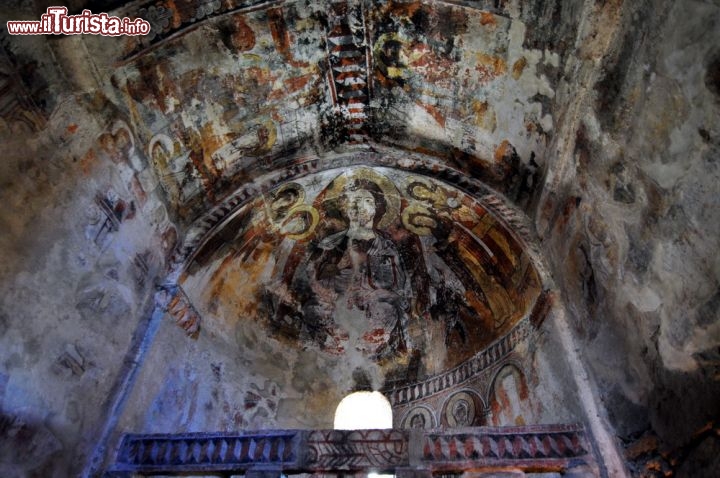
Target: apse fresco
461, 410
424, 53
371, 261
510, 403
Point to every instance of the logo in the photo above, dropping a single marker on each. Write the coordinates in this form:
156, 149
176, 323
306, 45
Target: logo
56, 21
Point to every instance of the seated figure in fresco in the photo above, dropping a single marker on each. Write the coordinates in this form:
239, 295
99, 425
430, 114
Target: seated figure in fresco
360, 268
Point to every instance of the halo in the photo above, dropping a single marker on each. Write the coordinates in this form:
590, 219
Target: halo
424, 190
164, 140
460, 396
422, 411
390, 193
418, 219
314, 219
392, 72
292, 185
120, 124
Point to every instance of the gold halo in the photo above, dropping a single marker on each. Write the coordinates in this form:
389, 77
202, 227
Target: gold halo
272, 196
291, 185
393, 72
433, 193
315, 218
390, 192
413, 211
472, 412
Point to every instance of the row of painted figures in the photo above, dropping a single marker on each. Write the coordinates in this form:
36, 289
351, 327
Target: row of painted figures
508, 404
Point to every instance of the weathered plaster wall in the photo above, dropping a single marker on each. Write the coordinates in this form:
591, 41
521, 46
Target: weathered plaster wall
631, 226
475, 86
253, 382
82, 241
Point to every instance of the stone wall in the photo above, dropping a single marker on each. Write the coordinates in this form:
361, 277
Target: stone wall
631, 227
83, 239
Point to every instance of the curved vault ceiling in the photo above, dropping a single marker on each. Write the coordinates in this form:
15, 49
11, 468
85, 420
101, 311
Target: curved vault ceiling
223, 92
228, 94
231, 101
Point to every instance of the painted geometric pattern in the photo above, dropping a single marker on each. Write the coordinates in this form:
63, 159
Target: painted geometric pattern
464, 371
206, 451
498, 445
356, 450
531, 447
347, 55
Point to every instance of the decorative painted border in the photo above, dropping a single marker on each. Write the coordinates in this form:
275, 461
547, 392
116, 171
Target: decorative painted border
496, 354
356, 449
499, 446
537, 448
174, 300
208, 451
463, 372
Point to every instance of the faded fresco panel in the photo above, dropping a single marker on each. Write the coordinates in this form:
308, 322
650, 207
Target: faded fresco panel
245, 114
377, 262
463, 85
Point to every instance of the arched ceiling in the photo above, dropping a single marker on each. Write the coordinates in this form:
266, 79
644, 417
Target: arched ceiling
340, 175
257, 119
334, 177
223, 92
229, 130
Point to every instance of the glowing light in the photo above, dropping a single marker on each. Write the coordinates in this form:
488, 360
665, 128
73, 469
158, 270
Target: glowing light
363, 410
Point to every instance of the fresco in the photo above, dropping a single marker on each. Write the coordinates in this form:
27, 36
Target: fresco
419, 417
357, 268
228, 94
366, 261
461, 410
461, 80
510, 403
255, 105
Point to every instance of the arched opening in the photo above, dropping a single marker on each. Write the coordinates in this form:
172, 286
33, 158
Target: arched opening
363, 410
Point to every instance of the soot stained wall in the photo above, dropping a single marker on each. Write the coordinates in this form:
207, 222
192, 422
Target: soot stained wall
633, 234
